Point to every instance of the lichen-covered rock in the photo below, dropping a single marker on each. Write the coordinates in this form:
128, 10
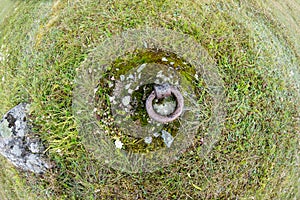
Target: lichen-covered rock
18, 145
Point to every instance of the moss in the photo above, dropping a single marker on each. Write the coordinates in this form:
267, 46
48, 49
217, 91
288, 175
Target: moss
139, 114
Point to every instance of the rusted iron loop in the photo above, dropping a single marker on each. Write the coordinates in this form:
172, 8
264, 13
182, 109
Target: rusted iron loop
160, 92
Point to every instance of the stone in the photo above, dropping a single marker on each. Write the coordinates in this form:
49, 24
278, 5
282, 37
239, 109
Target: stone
167, 137
122, 77
18, 144
164, 59
148, 140
118, 144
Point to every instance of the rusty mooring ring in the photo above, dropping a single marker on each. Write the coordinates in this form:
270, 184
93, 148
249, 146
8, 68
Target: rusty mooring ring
162, 91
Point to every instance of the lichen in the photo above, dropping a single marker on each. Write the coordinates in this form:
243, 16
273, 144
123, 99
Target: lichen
5, 131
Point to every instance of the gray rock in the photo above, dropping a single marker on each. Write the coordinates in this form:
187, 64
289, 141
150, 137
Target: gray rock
18, 145
148, 140
167, 137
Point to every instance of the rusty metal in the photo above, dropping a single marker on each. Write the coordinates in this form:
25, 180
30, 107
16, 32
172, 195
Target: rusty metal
160, 92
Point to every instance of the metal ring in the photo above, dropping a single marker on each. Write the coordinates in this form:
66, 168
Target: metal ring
168, 118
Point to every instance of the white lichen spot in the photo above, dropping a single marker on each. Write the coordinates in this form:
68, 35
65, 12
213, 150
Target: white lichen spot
130, 91
118, 144
164, 59
126, 100
34, 147
5, 131
167, 137
148, 140
16, 151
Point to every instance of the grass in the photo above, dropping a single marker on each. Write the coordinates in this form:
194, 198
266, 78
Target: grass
256, 156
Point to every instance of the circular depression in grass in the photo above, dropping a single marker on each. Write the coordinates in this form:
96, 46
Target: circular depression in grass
112, 87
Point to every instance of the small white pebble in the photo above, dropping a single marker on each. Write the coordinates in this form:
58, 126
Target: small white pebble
130, 91
130, 77
172, 63
118, 144
164, 59
148, 140
122, 77
127, 86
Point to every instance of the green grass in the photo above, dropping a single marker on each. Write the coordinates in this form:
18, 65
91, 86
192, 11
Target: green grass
256, 156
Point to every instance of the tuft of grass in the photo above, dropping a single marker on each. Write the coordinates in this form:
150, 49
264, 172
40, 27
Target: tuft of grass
43, 44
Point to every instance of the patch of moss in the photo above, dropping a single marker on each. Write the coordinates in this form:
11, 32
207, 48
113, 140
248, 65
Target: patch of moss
140, 116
